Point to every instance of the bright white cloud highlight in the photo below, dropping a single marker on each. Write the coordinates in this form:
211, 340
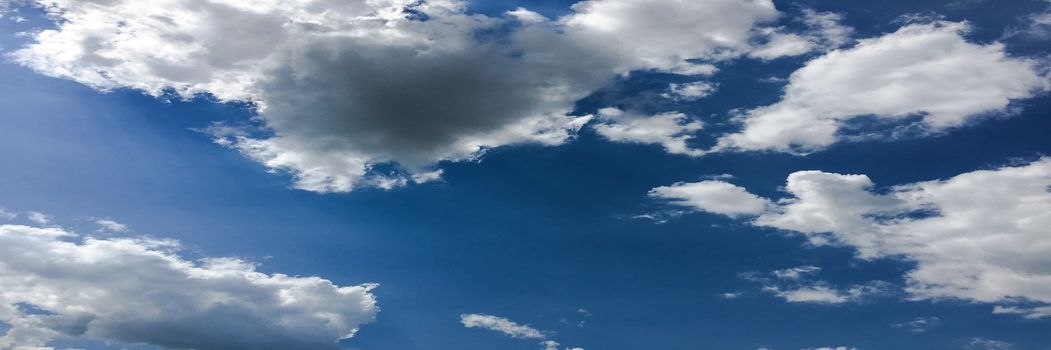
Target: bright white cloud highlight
979, 236
922, 70
345, 87
128, 290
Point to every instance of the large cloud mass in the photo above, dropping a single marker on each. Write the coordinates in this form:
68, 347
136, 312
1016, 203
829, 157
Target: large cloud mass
344, 86
980, 236
54, 284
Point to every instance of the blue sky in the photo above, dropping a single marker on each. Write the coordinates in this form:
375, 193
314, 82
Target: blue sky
563, 228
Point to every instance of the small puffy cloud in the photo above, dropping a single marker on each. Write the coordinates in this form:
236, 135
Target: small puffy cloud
928, 70
730, 295
713, 196
38, 217
502, 325
108, 225
919, 324
509, 328
671, 130
57, 285
795, 273
689, 91
7, 215
977, 236
795, 285
989, 344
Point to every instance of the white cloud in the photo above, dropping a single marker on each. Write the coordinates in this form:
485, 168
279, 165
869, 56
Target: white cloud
978, 236
689, 91
38, 217
346, 87
811, 294
140, 291
7, 215
730, 295
825, 33
919, 324
712, 196
111, 226
990, 344
832, 348
795, 273
664, 35
502, 325
510, 328
671, 130
795, 285
927, 70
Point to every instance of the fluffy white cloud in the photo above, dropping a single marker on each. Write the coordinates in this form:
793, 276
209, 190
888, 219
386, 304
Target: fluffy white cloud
54, 284
510, 328
671, 130
712, 196
342, 87
7, 215
979, 236
928, 70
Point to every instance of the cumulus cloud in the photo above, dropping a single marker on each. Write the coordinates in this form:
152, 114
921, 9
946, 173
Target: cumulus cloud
927, 70
343, 88
509, 328
671, 130
978, 236
713, 196
55, 284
